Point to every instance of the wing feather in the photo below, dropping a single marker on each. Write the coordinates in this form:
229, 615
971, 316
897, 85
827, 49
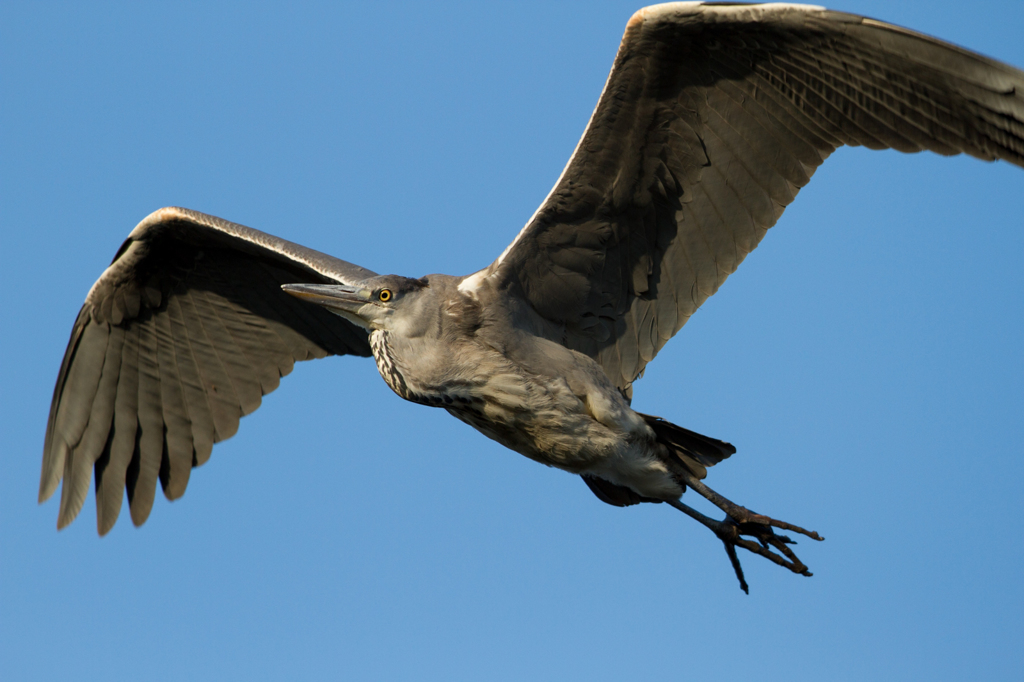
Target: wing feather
144, 467
225, 406
84, 375
112, 465
712, 119
244, 384
176, 465
97, 435
197, 404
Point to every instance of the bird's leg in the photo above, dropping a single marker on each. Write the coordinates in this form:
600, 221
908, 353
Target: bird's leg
741, 521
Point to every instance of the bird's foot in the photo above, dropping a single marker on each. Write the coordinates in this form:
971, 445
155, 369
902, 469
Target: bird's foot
730, 531
739, 522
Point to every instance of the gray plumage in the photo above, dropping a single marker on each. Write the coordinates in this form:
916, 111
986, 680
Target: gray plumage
713, 118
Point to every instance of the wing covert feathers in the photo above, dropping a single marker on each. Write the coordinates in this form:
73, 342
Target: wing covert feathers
712, 119
179, 338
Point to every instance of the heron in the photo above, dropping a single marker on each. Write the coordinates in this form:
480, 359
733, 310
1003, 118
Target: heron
712, 119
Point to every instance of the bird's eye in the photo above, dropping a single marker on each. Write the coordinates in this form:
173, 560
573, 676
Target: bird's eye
384, 295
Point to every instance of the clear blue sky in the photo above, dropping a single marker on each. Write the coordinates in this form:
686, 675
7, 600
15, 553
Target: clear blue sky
866, 360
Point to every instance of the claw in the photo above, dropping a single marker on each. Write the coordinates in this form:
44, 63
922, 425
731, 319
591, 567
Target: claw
739, 522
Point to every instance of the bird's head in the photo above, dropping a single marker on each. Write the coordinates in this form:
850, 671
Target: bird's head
388, 302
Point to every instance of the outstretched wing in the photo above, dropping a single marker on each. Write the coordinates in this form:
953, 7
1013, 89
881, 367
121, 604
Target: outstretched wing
179, 338
713, 118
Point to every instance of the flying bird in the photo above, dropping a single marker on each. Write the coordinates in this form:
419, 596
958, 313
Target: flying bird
712, 119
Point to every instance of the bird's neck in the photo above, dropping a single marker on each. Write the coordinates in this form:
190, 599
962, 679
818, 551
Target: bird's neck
387, 365
421, 370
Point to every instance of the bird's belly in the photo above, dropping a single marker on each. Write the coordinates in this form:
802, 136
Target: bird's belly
548, 423
567, 441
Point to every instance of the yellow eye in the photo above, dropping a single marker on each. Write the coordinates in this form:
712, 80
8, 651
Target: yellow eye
384, 295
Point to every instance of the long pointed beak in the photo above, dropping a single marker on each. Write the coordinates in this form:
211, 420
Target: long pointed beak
340, 297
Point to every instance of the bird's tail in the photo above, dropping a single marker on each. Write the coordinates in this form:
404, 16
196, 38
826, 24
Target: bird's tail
691, 450
686, 452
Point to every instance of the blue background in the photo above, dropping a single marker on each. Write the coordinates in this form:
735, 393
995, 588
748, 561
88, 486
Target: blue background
866, 360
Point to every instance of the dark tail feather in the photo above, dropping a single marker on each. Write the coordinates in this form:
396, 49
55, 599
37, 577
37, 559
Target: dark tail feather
692, 450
